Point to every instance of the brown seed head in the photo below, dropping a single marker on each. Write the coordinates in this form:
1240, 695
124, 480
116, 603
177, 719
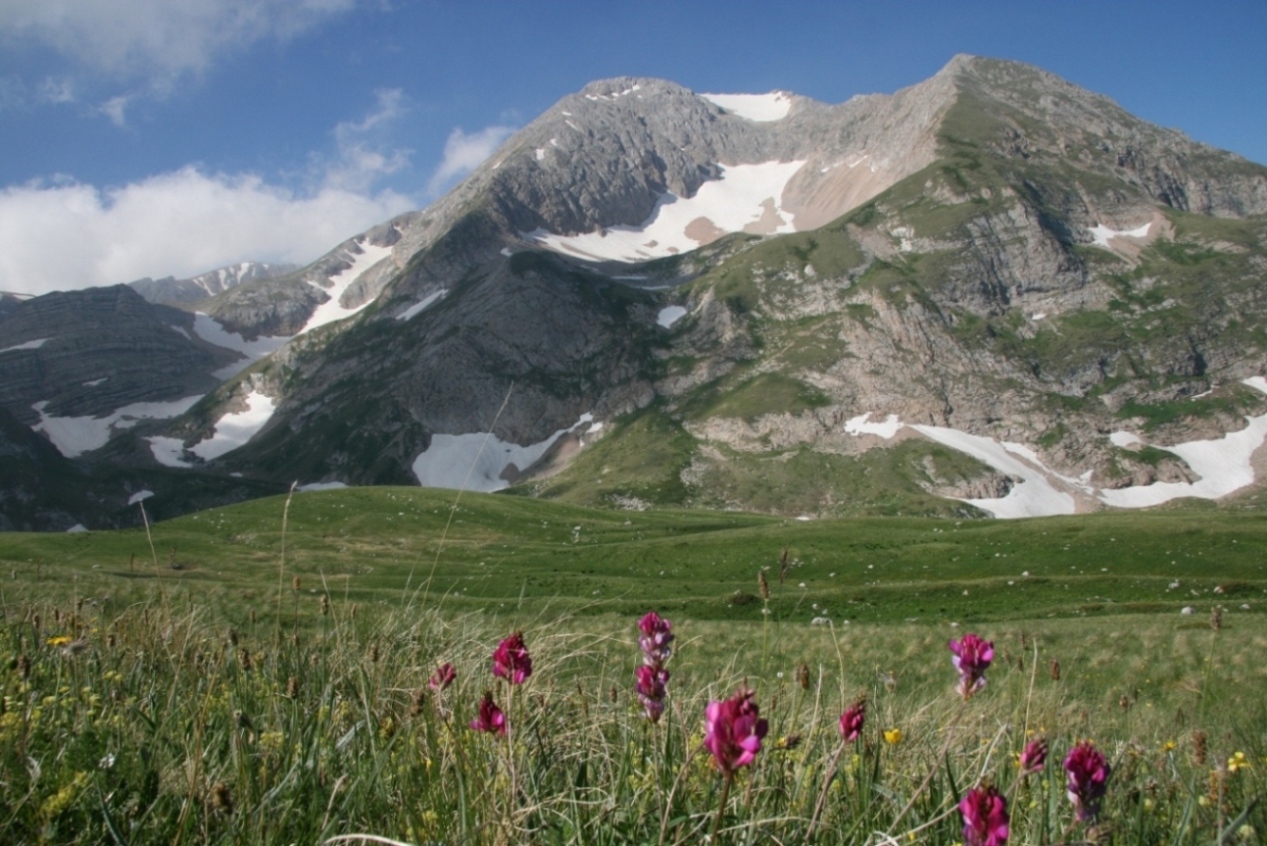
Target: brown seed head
221, 799
1054, 669
802, 676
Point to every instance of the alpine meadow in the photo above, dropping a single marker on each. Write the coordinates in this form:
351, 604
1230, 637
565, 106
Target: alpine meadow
702, 468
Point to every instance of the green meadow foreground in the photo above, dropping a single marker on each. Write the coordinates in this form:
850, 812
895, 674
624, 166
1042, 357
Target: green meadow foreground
234, 684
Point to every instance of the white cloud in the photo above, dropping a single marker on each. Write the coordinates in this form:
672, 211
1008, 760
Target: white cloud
364, 152
463, 153
116, 109
65, 235
158, 38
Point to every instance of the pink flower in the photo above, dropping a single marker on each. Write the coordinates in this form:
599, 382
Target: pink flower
851, 721
972, 658
1033, 756
1088, 776
490, 717
511, 660
657, 634
985, 820
651, 682
733, 731
442, 677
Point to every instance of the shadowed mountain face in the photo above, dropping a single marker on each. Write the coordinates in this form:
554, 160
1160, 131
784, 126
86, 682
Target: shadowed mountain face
992, 292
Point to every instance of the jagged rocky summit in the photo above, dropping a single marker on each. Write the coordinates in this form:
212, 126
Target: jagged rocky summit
990, 293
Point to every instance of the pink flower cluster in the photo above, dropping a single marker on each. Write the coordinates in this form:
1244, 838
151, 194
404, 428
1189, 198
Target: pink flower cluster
1088, 774
985, 818
490, 717
656, 635
733, 730
972, 658
851, 721
511, 660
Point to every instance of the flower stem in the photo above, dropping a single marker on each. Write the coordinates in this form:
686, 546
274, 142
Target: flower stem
721, 808
822, 796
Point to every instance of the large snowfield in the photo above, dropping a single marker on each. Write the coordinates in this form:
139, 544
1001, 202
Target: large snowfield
742, 197
476, 461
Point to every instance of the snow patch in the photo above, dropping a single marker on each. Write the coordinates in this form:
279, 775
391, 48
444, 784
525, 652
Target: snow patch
331, 310
477, 461
670, 315
77, 529
540, 153
756, 107
235, 429
1223, 465
211, 331
322, 486
1101, 233
416, 308
1124, 439
1034, 496
169, 452
29, 345
744, 195
139, 496
181, 330
859, 426
74, 436
95, 382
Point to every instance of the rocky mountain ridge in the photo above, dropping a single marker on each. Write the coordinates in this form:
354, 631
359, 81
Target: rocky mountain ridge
992, 286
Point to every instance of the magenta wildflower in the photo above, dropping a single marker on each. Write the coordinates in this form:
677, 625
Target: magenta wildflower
442, 677
985, 820
972, 658
1088, 776
511, 660
491, 718
733, 731
1033, 756
851, 721
657, 634
651, 682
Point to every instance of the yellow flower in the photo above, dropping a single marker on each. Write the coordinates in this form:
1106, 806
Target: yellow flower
1168, 746
59, 640
893, 736
1237, 762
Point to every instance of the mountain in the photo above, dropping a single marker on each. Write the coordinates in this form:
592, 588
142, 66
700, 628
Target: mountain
989, 293
172, 291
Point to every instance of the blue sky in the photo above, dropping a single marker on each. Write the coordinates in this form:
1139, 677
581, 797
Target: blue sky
157, 137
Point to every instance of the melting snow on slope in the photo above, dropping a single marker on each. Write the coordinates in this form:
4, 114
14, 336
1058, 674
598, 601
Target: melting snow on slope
232, 431
1224, 465
758, 107
331, 310
1035, 496
744, 195
418, 307
860, 426
74, 436
210, 330
476, 461
29, 345
670, 315
1102, 233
